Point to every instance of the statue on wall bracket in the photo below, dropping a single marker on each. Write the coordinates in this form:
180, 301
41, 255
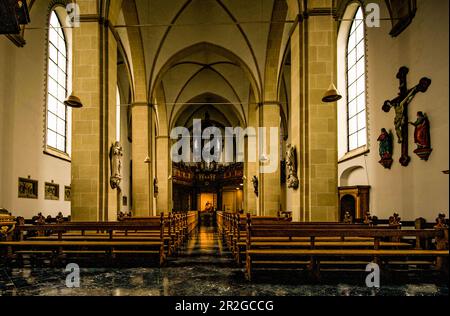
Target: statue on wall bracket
115, 160
291, 164
155, 187
386, 148
400, 105
255, 184
422, 136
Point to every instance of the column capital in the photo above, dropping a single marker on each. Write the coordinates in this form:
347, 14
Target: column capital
263, 103
136, 104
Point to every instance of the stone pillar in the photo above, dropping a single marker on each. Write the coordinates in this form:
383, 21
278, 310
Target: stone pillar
164, 171
114, 196
251, 204
317, 130
142, 197
94, 66
270, 187
322, 35
295, 199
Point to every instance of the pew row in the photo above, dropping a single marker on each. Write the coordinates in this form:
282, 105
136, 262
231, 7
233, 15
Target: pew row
318, 251
158, 237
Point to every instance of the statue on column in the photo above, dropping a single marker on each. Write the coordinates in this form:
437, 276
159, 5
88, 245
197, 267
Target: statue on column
291, 164
422, 136
255, 184
155, 187
115, 158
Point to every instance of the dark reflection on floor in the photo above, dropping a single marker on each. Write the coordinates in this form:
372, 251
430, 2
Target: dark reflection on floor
203, 267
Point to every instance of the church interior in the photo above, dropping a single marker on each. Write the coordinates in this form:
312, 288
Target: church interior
263, 147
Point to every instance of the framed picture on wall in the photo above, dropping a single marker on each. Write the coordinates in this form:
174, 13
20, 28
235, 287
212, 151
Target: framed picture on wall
51, 191
28, 189
67, 193
402, 13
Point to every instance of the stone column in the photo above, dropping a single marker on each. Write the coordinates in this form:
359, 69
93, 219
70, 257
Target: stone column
142, 197
251, 167
164, 171
322, 35
295, 199
114, 196
314, 123
270, 187
94, 65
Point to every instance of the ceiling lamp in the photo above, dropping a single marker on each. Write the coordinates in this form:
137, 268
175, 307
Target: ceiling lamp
332, 94
73, 102
147, 160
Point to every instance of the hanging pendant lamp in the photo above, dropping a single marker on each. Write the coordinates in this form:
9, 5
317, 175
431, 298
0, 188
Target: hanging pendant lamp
73, 102
332, 94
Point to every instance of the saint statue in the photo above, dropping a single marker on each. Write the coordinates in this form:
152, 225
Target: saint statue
422, 131
385, 149
422, 136
385, 144
115, 158
255, 184
155, 187
291, 165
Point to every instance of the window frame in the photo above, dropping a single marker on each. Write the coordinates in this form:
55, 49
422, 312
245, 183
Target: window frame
347, 84
50, 150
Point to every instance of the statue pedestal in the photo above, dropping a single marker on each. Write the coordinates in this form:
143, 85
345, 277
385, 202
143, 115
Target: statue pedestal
423, 153
386, 162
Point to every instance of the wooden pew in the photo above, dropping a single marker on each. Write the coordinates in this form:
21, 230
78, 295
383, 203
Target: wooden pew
178, 229
87, 242
239, 233
172, 231
310, 254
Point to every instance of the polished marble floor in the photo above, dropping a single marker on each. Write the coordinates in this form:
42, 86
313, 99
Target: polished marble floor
203, 267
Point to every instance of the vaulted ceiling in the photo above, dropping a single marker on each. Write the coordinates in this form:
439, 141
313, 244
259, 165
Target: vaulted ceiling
205, 47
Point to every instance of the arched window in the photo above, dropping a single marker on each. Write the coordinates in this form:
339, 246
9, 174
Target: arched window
356, 84
57, 112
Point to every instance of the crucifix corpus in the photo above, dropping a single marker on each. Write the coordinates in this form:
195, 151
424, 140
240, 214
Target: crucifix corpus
400, 105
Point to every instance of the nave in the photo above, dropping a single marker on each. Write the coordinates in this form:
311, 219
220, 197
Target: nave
204, 267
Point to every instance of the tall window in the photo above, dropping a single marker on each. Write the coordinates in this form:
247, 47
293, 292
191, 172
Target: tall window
356, 84
57, 87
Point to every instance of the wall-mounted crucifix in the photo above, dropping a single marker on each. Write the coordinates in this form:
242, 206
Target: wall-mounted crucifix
400, 105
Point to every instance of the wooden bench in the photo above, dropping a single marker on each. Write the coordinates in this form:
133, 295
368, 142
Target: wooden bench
239, 234
89, 237
178, 228
171, 231
315, 252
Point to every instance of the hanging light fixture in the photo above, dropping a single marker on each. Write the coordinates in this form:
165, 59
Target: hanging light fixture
73, 102
332, 94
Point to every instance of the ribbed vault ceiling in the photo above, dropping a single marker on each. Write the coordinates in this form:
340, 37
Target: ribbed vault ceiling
239, 28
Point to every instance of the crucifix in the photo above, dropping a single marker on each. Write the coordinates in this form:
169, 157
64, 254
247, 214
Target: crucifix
400, 105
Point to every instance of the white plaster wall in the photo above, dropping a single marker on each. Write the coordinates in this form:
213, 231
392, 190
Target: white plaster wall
421, 189
22, 101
